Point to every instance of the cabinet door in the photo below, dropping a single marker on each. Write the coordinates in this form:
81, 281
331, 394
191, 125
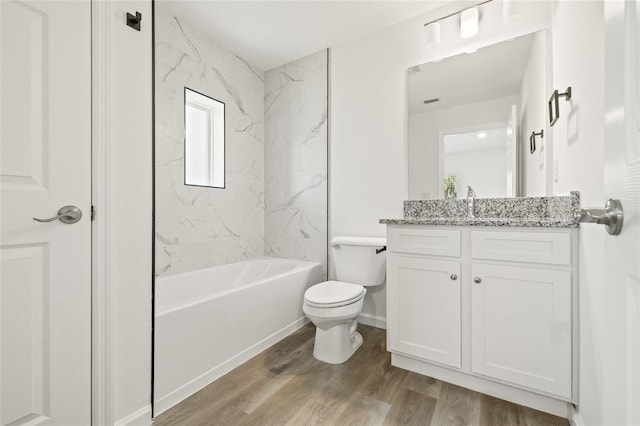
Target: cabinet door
424, 308
521, 326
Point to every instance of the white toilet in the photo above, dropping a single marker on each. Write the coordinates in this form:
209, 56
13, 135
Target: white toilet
334, 306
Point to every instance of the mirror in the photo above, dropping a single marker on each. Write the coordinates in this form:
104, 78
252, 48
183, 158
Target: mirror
470, 119
203, 140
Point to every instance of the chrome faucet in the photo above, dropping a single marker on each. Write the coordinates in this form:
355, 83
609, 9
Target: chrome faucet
471, 198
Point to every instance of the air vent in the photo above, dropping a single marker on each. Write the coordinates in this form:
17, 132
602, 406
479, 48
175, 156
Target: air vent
430, 101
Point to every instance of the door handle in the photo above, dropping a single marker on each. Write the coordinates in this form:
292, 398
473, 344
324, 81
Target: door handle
611, 216
67, 214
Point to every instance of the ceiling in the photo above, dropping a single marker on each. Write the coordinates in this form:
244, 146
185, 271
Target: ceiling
268, 33
477, 140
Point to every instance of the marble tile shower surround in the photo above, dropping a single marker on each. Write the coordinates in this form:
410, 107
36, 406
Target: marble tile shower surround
197, 227
295, 161
556, 211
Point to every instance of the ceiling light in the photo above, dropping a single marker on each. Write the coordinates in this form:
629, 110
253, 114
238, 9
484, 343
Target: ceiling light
431, 35
481, 135
469, 19
469, 22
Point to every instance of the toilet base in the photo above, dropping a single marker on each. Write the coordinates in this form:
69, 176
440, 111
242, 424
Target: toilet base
336, 344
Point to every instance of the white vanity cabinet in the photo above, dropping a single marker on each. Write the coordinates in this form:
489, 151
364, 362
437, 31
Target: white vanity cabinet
486, 308
424, 298
521, 312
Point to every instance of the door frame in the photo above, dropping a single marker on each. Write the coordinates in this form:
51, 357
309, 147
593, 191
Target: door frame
122, 234
101, 356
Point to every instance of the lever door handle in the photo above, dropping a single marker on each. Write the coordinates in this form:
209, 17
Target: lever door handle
67, 214
612, 216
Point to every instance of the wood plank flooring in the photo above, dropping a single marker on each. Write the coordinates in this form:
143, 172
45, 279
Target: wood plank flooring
285, 385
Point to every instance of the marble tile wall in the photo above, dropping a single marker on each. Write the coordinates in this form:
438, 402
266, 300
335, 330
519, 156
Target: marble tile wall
296, 160
198, 227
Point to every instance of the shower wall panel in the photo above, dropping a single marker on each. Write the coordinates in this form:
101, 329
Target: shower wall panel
296, 159
198, 227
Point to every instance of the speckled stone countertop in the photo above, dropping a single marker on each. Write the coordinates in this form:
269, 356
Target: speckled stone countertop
535, 212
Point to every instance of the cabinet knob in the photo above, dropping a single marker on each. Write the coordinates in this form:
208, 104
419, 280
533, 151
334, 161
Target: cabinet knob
477, 280
454, 277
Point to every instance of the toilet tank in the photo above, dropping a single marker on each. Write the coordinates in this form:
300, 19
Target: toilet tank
356, 261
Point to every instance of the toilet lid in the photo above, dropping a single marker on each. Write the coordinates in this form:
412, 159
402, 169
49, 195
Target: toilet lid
333, 293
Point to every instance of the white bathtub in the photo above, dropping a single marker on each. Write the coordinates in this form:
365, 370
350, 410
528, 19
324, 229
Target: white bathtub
211, 320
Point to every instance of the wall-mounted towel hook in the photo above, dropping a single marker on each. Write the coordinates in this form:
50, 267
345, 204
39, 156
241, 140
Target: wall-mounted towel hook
134, 21
554, 104
532, 140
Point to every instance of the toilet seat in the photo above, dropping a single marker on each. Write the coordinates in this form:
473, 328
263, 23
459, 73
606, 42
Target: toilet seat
332, 294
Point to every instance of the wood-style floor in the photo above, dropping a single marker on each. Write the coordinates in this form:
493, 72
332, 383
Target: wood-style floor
285, 385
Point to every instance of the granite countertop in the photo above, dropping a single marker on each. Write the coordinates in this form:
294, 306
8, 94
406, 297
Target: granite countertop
463, 221
534, 212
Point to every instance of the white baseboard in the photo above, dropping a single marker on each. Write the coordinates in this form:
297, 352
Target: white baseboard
189, 388
373, 320
575, 419
142, 417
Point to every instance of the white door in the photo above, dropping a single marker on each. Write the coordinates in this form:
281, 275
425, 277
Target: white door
622, 180
424, 308
45, 150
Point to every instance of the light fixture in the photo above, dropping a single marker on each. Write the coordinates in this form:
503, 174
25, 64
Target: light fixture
481, 135
469, 22
431, 35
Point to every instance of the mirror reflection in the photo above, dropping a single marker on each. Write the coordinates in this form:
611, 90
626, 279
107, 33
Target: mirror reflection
488, 145
470, 117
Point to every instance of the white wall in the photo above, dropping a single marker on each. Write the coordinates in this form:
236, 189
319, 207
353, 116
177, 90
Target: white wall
578, 61
368, 135
295, 169
369, 109
533, 117
129, 211
198, 227
424, 140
